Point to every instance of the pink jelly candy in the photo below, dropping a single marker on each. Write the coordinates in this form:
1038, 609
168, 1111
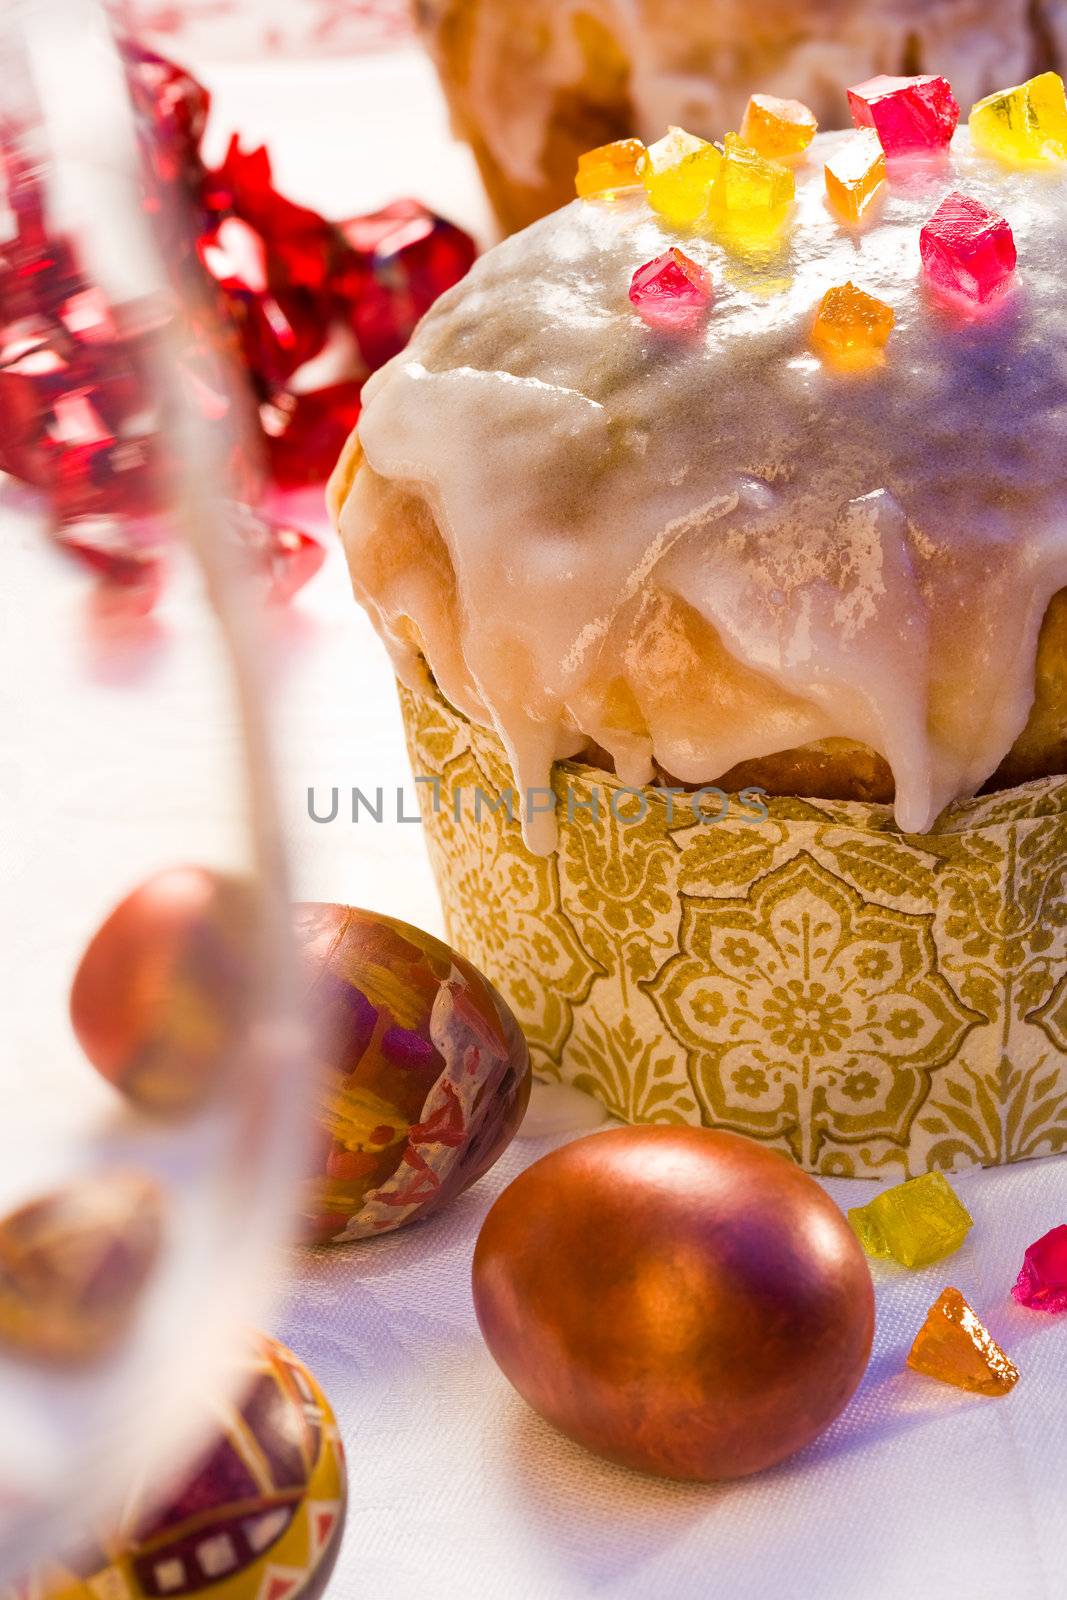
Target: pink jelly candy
671, 292
908, 114
967, 250
1042, 1283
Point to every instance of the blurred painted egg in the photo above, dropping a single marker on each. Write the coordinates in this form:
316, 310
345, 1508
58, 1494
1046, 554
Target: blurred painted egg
165, 988
426, 1073
682, 1301
74, 1264
259, 1518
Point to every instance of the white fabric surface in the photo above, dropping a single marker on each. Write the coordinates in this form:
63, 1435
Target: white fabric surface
457, 1490
918, 1490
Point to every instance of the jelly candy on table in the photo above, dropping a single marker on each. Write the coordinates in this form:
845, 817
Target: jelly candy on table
916, 1222
953, 1346
608, 168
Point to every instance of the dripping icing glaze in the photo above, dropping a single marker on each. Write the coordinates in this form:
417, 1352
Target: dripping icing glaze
703, 551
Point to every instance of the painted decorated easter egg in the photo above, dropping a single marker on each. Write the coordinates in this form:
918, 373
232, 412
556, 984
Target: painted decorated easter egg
426, 1073
259, 1517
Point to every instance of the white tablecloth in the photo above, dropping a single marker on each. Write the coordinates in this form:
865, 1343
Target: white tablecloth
918, 1490
457, 1490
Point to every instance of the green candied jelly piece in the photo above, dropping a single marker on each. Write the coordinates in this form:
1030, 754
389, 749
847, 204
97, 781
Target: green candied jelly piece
919, 1221
867, 1231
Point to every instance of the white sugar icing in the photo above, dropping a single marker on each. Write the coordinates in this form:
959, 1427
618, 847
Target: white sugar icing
869, 555
695, 62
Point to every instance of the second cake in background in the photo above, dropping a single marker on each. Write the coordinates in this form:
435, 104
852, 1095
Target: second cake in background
533, 83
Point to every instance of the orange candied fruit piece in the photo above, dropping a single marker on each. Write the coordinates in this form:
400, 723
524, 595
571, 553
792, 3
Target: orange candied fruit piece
778, 129
609, 167
855, 174
852, 327
953, 1346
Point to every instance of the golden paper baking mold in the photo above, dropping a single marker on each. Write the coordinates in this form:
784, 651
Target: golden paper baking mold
874, 1003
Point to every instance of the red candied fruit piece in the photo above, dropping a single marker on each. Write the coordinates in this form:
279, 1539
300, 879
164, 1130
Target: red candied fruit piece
306, 432
174, 105
107, 477
908, 114
1042, 1283
33, 376
280, 327
672, 293
396, 264
300, 246
279, 558
968, 250
126, 554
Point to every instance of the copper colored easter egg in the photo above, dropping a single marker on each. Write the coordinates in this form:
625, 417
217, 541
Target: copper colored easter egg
426, 1073
682, 1301
259, 1517
165, 988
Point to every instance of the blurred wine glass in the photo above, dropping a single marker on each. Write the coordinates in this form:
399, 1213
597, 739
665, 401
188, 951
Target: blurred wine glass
132, 741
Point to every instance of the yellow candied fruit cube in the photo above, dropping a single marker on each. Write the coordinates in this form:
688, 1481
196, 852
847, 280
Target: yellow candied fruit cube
679, 173
778, 129
868, 1231
1027, 123
752, 195
855, 173
852, 327
915, 1222
609, 167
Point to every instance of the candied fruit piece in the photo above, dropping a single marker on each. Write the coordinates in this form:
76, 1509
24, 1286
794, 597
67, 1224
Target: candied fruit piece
398, 260
305, 432
908, 114
967, 250
919, 1221
279, 558
778, 129
752, 195
868, 1231
127, 553
1027, 123
1042, 1282
851, 326
679, 173
609, 167
855, 173
671, 293
952, 1345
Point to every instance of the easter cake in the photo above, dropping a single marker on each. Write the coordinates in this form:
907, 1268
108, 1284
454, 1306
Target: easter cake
720, 519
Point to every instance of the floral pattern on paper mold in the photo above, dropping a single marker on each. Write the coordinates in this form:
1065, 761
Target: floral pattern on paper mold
871, 1003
